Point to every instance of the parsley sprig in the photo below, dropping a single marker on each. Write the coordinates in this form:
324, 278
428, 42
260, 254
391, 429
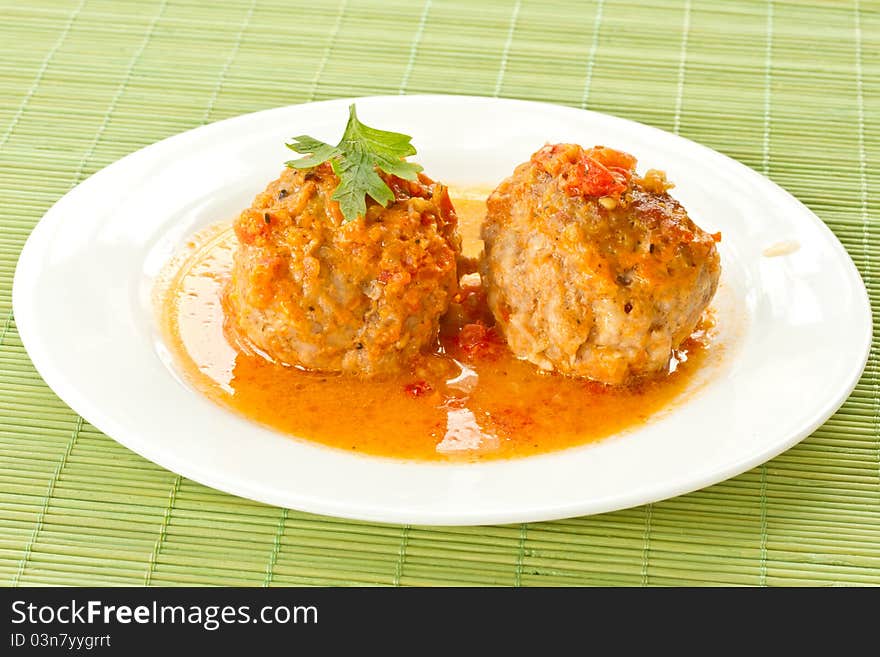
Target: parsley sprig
356, 159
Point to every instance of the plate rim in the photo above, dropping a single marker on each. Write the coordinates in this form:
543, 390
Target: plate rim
64, 386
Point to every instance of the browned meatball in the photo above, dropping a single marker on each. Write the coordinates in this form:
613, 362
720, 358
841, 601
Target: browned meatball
361, 297
591, 270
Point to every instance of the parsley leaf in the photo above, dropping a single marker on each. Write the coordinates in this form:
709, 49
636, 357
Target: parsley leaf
355, 160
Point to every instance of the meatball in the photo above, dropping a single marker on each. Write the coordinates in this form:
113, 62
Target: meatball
592, 271
363, 296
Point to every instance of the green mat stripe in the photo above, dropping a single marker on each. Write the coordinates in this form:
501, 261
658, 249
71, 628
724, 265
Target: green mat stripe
791, 89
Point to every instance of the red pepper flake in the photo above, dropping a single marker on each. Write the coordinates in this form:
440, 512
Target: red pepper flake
511, 421
417, 389
477, 341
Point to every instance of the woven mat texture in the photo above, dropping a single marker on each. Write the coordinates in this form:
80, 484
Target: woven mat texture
792, 89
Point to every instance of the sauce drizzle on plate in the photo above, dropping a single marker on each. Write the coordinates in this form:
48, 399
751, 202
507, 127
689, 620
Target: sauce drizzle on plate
470, 400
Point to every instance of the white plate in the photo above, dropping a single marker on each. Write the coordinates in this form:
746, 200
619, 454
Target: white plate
799, 326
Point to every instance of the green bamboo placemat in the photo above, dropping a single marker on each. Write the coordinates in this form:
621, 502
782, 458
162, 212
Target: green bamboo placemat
790, 89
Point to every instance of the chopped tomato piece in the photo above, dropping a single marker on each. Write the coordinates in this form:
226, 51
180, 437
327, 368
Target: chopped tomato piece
253, 226
596, 172
402, 188
612, 158
445, 203
592, 178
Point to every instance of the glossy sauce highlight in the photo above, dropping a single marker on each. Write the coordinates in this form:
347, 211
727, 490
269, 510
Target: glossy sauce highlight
460, 403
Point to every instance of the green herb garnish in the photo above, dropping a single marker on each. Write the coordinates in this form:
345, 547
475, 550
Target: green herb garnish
355, 160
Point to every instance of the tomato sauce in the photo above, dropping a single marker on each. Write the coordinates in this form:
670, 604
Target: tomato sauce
470, 400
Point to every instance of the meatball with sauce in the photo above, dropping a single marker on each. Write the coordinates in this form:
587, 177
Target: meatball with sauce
591, 270
362, 297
